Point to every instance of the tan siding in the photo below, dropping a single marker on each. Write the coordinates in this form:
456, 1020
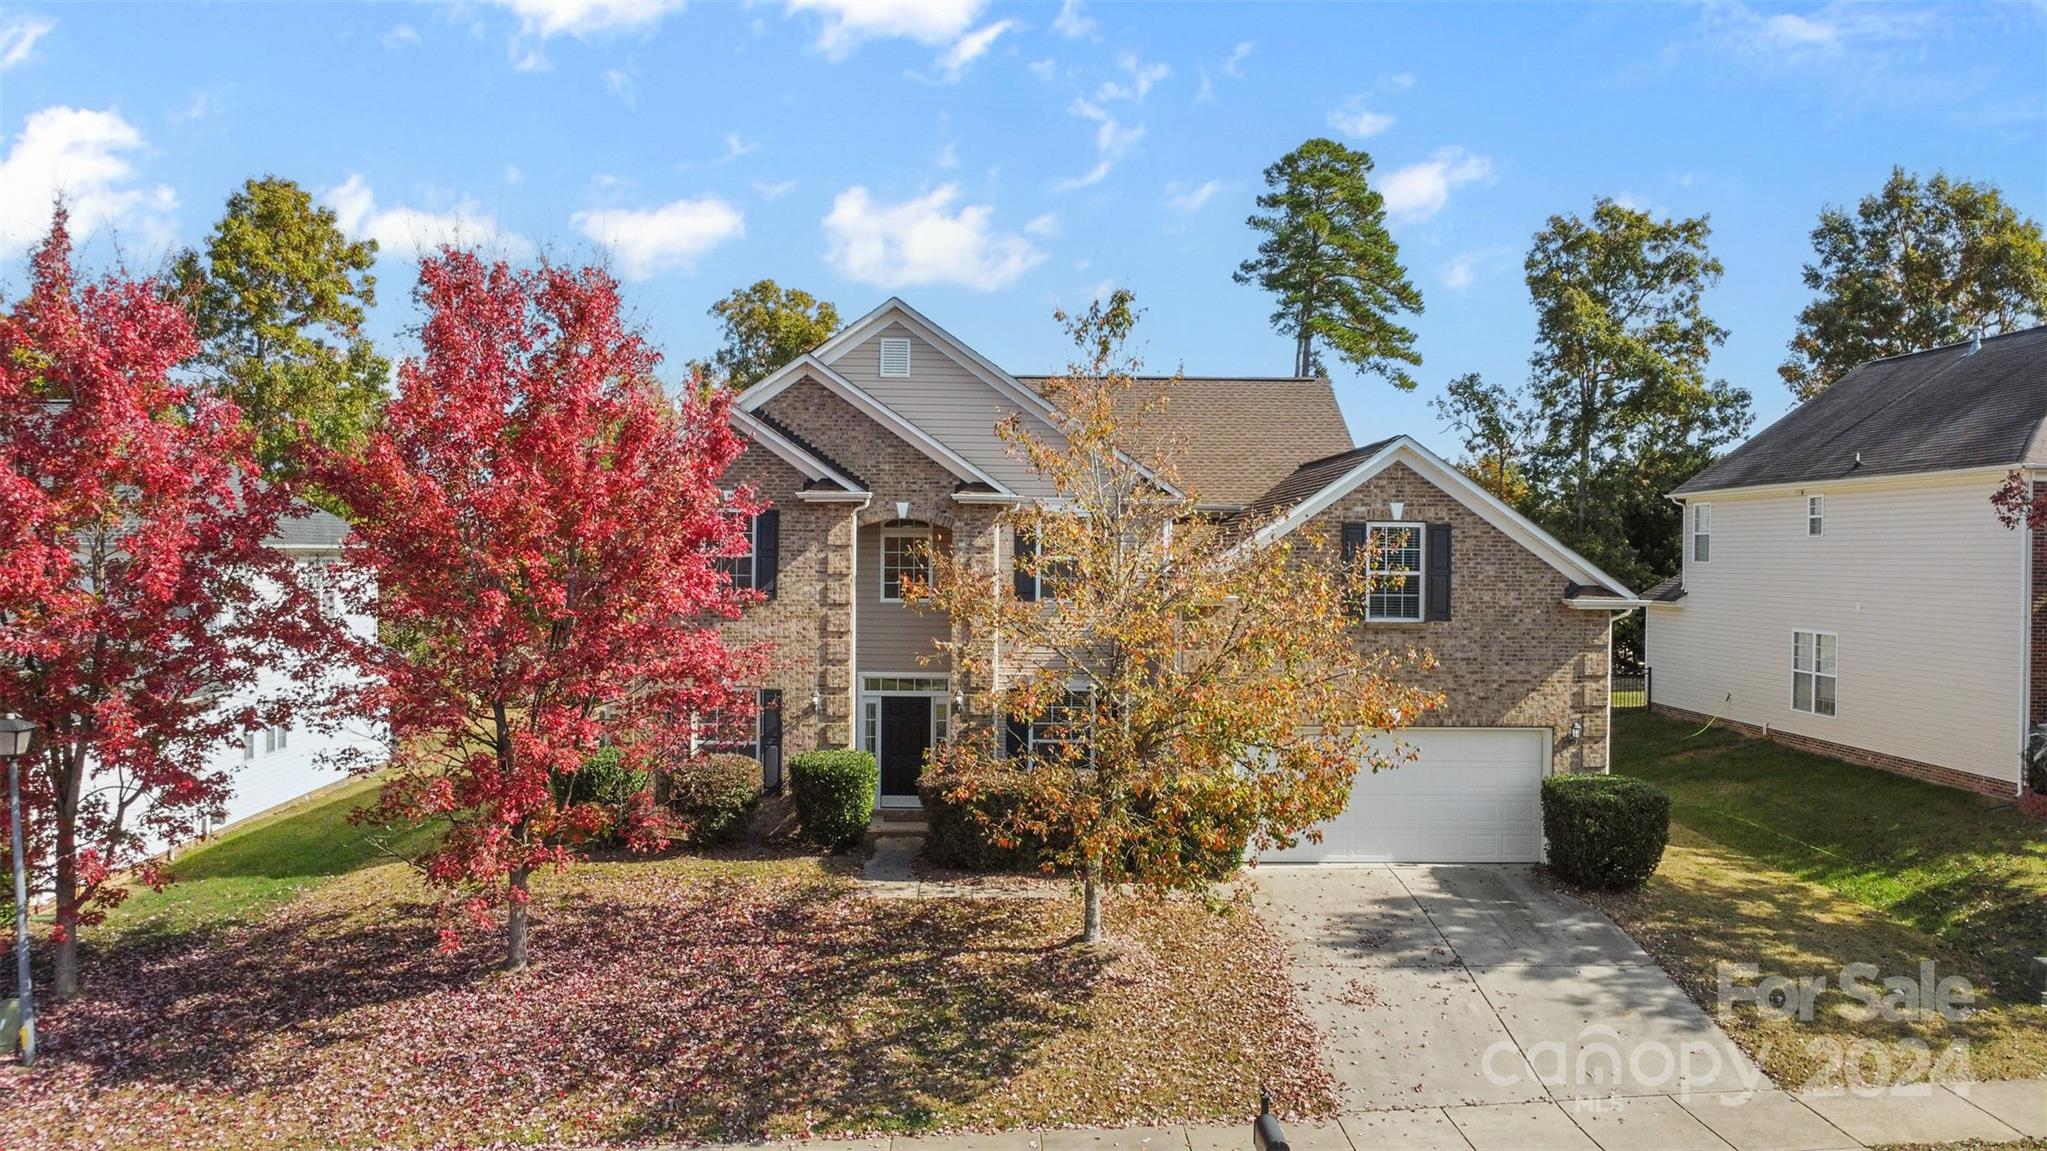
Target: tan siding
946, 400
1919, 581
893, 636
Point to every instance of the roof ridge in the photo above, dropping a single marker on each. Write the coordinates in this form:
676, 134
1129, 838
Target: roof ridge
1359, 450
1949, 347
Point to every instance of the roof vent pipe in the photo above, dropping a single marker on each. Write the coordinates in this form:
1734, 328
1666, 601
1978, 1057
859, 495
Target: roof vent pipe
1858, 459
1975, 343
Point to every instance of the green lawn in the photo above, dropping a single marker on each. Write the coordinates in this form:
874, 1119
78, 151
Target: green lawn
1802, 864
261, 864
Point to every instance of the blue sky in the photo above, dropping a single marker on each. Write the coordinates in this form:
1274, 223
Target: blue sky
990, 161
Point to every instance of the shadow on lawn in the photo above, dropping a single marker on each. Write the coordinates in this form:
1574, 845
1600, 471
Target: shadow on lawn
659, 1004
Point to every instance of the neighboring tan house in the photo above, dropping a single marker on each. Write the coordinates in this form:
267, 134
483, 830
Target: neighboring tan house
1847, 586
884, 437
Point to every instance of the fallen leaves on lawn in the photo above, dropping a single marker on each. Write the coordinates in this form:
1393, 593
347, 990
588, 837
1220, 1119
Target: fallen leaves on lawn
669, 999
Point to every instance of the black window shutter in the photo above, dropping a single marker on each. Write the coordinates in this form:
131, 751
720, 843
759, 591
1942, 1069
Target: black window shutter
1016, 737
1354, 542
771, 740
767, 550
1026, 551
1437, 565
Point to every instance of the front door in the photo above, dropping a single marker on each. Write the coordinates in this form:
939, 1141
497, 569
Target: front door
905, 737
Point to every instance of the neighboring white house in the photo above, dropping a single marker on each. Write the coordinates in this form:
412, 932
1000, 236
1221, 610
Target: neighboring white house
1847, 585
273, 766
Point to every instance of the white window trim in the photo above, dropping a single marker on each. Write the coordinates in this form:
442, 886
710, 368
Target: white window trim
920, 532
1420, 572
1695, 535
881, 356
1816, 514
1086, 692
1816, 674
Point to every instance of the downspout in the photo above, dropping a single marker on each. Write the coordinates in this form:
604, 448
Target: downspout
2026, 632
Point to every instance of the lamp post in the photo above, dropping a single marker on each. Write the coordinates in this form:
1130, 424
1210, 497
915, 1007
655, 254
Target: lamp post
15, 734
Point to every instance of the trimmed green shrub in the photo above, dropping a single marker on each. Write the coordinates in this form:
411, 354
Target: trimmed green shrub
956, 837
715, 795
607, 779
834, 794
1606, 832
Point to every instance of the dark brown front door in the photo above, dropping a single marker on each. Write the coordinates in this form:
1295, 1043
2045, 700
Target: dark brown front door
905, 737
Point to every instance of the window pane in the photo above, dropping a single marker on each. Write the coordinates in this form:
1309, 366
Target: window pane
1825, 663
1823, 694
1702, 548
1801, 650
1801, 691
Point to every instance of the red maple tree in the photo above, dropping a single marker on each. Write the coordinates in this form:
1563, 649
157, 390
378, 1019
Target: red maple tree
139, 599
542, 527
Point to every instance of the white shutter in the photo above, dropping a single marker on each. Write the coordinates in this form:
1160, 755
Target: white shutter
895, 356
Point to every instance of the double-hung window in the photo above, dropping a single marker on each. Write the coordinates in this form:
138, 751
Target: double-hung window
1061, 726
1815, 515
1702, 533
905, 557
1815, 682
1393, 573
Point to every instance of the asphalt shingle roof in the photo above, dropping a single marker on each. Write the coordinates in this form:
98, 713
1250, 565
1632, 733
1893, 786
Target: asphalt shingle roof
1239, 435
1307, 479
313, 529
1928, 411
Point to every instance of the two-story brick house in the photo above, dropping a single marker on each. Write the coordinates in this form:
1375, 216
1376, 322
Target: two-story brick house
883, 439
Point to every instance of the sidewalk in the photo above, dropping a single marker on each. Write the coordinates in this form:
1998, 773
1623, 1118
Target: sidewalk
1719, 1121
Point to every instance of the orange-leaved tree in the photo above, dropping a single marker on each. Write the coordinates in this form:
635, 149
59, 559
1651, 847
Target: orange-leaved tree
1169, 691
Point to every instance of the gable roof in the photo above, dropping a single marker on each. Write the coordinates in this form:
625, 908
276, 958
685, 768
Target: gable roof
1939, 410
819, 470
1330, 479
311, 529
1239, 435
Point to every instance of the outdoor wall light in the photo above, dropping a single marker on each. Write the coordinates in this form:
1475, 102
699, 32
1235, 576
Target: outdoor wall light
1399, 508
1576, 733
816, 700
902, 509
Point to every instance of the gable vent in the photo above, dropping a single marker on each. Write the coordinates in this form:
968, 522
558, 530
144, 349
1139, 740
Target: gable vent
895, 356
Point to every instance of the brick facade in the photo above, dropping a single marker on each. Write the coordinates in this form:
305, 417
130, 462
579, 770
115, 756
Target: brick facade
1861, 757
1511, 654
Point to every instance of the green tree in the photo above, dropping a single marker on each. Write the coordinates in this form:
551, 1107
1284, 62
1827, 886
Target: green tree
278, 300
766, 326
1917, 265
1495, 428
1619, 380
1328, 258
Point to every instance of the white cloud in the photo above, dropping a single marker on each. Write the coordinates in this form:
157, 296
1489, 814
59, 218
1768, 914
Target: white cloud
1464, 269
400, 36
1143, 78
1419, 191
82, 155
672, 237
851, 23
585, 18
409, 233
923, 241
513, 175
948, 154
970, 48
1242, 52
1070, 23
1185, 200
1045, 225
735, 147
621, 84
1112, 141
1358, 122
1044, 69
1395, 81
1826, 31
199, 107
774, 191
18, 36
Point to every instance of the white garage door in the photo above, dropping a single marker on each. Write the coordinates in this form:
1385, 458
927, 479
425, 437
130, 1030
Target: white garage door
1473, 796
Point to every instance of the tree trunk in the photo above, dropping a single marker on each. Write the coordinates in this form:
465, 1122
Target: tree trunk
65, 984
1304, 354
516, 928
1091, 899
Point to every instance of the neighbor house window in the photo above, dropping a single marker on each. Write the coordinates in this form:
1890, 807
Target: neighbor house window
275, 738
1060, 726
1702, 533
1814, 677
1815, 515
1393, 573
905, 555
895, 356
740, 567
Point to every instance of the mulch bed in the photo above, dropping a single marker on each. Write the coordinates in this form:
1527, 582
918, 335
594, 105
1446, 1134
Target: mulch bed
668, 1000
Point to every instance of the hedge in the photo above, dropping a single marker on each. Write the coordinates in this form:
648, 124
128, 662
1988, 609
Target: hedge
715, 795
956, 836
1606, 832
607, 779
834, 795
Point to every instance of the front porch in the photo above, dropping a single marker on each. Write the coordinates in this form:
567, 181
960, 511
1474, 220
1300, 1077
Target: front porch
902, 718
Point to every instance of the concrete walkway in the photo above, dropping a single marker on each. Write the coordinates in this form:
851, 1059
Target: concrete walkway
1768, 1120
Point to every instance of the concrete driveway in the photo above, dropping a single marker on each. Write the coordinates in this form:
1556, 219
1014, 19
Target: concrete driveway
1443, 985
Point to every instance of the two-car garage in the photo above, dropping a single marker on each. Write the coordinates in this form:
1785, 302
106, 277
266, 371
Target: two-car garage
1469, 795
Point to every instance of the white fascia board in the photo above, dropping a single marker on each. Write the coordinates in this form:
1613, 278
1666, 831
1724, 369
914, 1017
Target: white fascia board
1885, 479
1607, 603
1460, 487
1001, 498
821, 496
809, 365
790, 452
